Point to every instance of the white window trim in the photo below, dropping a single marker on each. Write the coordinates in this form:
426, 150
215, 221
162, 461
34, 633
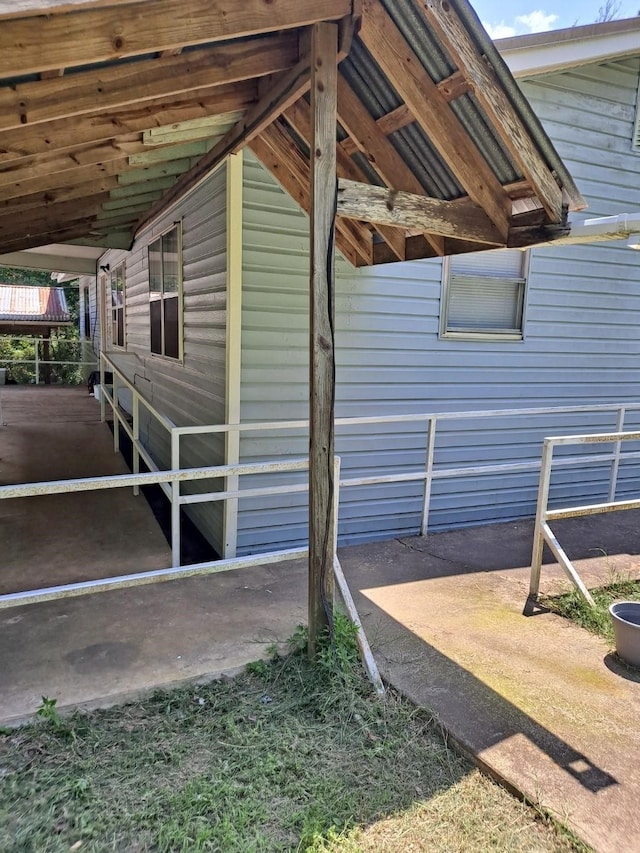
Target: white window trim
635, 139
111, 309
496, 335
180, 360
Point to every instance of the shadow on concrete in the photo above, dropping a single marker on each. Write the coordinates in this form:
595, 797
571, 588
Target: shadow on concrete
476, 716
615, 663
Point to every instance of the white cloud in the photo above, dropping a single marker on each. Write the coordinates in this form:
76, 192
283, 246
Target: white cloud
538, 21
535, 22
499, 31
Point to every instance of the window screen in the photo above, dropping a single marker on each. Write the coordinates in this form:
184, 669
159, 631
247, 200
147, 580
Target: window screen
484, 295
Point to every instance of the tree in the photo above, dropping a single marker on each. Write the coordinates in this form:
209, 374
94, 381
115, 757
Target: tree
610, 11
18, 353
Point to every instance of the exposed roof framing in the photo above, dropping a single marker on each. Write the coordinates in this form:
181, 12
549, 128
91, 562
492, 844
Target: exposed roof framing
111, 109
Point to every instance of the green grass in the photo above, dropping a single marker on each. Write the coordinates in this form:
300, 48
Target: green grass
595, 619
286, 757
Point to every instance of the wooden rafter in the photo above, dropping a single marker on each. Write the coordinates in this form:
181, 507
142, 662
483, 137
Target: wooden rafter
85, 36
405, 72
65, 211
62, 194
281, 156
62, 134
444, 20
364, 131
111, 88
299, 117
41, 165
380, 205
284, 91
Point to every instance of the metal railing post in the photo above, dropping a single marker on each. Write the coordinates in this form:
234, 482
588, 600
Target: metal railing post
541, 510
103, 402
136, 438
336, 503
37, 363
175, 500
116, 414
428, 478
615, 464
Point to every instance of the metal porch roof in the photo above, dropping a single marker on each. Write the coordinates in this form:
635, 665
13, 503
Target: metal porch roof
21, 303
110, 109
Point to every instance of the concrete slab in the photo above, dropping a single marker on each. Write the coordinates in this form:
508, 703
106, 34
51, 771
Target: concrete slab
541, 703
54, 433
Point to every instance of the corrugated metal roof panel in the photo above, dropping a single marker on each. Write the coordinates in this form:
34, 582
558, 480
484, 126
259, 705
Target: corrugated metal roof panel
19, 303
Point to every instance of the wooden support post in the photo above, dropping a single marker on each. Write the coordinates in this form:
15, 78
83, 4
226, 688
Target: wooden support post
324, 38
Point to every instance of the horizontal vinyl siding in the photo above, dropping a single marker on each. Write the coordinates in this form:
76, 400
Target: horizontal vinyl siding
192, 392
580, 348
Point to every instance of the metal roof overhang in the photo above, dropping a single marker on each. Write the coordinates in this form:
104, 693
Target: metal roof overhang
111, 109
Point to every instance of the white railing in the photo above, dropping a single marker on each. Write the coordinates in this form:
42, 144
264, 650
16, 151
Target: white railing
426, 474
36, 365
176, 571
544, 515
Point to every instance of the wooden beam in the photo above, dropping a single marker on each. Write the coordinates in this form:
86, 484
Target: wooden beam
49, 197
19, 242
42, 165
361, 127
443, 18
15, 221
454, 86
121, 85
416, 88
299, 117
41, 184
91, 35
321, 332
62, 134
407, 210
284, 92
281, 156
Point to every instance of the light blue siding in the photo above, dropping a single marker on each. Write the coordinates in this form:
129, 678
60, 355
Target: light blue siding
192, 392
581, 343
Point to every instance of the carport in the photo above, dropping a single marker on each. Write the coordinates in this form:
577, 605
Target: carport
110, 110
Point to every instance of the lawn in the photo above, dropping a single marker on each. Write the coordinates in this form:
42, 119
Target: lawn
286, 757
595, 619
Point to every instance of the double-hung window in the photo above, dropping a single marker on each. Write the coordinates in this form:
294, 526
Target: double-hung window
484, 295
165, 294
117, 305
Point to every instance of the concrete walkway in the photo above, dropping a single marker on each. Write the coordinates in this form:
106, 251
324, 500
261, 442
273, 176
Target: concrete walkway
543, 705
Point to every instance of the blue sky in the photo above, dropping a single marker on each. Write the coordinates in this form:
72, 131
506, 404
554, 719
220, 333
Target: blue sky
516, 17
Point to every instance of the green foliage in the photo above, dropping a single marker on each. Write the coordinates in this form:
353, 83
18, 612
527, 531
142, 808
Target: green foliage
290, 756
595, 619
18, 354
15, 275
49, 713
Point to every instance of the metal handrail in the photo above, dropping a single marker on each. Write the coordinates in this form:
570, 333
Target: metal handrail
542, 531
426, 474
38, 363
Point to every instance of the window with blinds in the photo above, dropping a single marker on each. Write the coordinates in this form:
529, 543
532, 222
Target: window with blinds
165, 294
483, 295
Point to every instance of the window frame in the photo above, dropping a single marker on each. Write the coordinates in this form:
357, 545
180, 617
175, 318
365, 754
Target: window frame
158, 239
86, 314
459, 333
118, 269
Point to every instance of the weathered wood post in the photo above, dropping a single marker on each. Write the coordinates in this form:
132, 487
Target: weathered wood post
324, 49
